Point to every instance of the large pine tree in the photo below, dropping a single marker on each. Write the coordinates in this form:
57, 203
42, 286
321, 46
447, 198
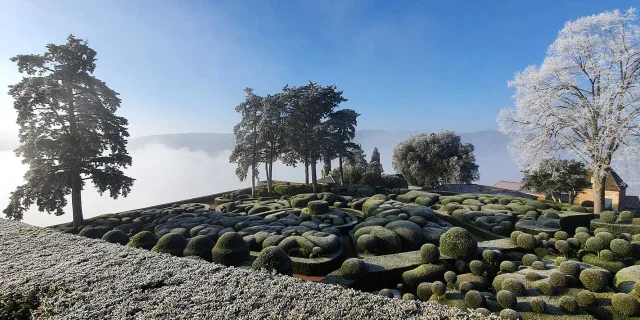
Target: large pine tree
69, 132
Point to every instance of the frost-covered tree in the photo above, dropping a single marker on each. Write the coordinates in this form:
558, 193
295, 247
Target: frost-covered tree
557, 176
69, 132
432, 159
375, 155
246, 152
583, 99
271, 133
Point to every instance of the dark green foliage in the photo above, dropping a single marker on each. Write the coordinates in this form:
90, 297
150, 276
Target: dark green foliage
474, 299
392, 181
586, 298
408, 297
608, 216
529, 258
624, 304
509, 314
116, 236
91, 232
385, 293
145, 240
561, 235
526, 241
171, 243
532, 276
582, 237
458, 243
538, 305
433, 159
562, 246
558, 279
409, 232
546, 288
199, 246
353, 268
230, 250
594, 280
621, 247
538, 265
492, 257
246, 152
508, 267
582, 229
594, 244
438, 288
507, 299
557, 176
69, 132
514, 236
570, 268
612, 266
606, 238
608, 255
429, 253
274, 259
318, 207
465, 286
514, 286
450, 277
587, 204
303, 199
424, 273
569, 304
24, 305
424, 291
477, 267
625, 215
367, 243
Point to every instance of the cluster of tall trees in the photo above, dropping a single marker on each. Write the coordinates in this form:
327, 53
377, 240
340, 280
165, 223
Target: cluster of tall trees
300, 125
556, 177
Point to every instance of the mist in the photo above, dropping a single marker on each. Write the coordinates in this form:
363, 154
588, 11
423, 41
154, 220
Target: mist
162, 175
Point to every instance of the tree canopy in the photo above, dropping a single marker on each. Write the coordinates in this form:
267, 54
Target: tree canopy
433, 159
555, 177
583, 99
246, 152
69, 132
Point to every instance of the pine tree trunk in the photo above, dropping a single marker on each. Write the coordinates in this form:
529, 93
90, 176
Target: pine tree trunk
598, 192
76, 200
314, 178
341, 171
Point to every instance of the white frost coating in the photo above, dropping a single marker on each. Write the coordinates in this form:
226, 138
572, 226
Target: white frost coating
100, 280
583, 98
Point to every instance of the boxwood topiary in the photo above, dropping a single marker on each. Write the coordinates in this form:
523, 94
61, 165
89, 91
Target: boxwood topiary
569, 304
608, 216
508, 267
450, 277
594, 280
116, 236
529, 258
586, 298
538, 265
624, 304
474, 299
509, 314
608, 255
458, 243
606, 238
546, 288
514, 286
317, 207
465, 286
561, 235
492, 257
438, 288
91, 232
387, 293
538, 305
625, 215
199, 246
230, 250
563, 247
429, 253
621, 247
274, 259
514, 236
424, 291
145, 240
526, 241
171, 243
594, 244
558, 279
477, 267
507, 299
408, 297
532, 276
570, 268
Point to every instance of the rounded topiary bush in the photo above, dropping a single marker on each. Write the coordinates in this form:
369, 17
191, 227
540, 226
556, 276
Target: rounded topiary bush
526, 241
509, 314
429, 253
318, 207
562, 246
561, 235
570, 268
538, 305
91, 232
582, 237
465, 286
558, 279
438, 288
625, 215
424, 291
145, 240
514, 286
594, 244
529, 258
408, 297
608, 216
624, 304
507, 299
608, 255
582, 229
586, 298
621, 247
606, 238
546, 288
450, 277
274, 259
199, 246
171, 243
587, 204
353, 268
367, 243
458, 243
492, 257
532, 276
230, 250
474, 299
508, 267
569, 304
387, 293
477, 267
116, 236
594, 280
538, 265
514, 236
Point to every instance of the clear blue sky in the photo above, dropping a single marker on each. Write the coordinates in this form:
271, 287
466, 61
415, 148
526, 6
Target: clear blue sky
180, 66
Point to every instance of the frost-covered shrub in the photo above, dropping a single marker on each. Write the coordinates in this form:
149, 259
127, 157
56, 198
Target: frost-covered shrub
116, 236
171, 243
274, 259
624, 304
144, 239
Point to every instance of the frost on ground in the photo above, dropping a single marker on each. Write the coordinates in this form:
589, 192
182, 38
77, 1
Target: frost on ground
81, 278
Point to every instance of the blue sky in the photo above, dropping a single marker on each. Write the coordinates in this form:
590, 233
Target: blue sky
180, 66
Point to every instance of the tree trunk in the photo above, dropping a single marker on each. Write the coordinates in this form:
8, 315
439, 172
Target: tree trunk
306, 170
572, 197
314, 178
76, 200
553, 197
341, 171
270, 175
598, 192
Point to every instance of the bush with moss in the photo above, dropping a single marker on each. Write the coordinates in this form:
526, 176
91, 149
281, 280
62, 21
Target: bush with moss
450, 278
570, 268
558, 279
458, 243
474, 299
171, 243
199, 246
145, 240
91, 232
538, 305
546, 287
424, 273
274, 259
594, 280
606, 238
514, 236
608, 216
317, 207
621, 247
538, 265
116, 236
230, 250
624, 304
465, 286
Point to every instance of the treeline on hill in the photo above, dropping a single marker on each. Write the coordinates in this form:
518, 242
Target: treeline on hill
302, 125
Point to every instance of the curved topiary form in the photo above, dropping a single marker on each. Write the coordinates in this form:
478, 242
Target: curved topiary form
529, 258
586, 298
532, 276
509, 314
171, 243
367, 243
514, 286
424, 273
608, 217
526, 241
145, 240
594, 280
274, 259
582, 229
538, 305
230, 250
410, 233
514, 236
624, 304
91, 232
465, 286
594, 244
508, 267
546, 288
562, 246
538, 265
438, 288
569, 304
424, 291
621, 247
116, 236
430, 253
507, 299
199, 246
474, 299
387, 293
408, 297
458, 243
561, 235
606, 237
317, 207
625, 215
582, 237
353, 268
477, 267
558, 279
608, 255
301, 200
450, 277
492, 257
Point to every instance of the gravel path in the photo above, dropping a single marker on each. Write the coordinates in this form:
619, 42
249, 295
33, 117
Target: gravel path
94, 279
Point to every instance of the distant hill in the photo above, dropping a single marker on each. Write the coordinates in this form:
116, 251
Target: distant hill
490, 148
